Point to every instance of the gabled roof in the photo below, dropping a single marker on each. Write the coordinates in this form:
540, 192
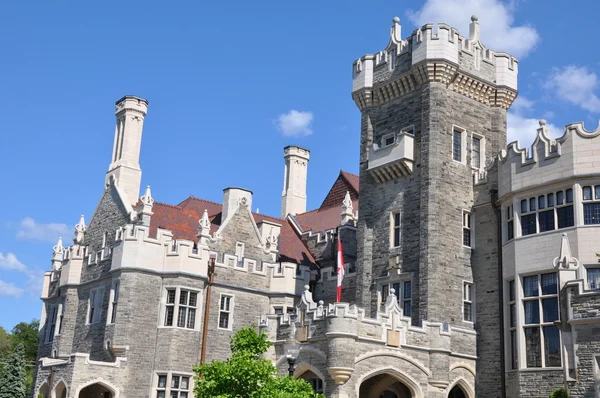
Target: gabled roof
183, 218
346, 182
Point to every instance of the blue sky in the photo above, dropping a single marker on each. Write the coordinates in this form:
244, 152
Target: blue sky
230, 83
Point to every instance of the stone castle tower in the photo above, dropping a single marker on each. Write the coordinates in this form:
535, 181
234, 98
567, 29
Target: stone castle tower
433, 109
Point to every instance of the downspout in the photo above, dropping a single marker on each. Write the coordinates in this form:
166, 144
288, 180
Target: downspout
211, 278
494, 198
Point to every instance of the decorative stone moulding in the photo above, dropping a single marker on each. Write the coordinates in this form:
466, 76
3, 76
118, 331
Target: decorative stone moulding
339, 374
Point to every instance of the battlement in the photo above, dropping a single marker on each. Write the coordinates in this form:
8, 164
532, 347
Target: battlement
390, 327
435, 55
576, 153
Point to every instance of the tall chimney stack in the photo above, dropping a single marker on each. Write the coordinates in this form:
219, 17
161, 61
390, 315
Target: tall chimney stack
293, 197
125, 163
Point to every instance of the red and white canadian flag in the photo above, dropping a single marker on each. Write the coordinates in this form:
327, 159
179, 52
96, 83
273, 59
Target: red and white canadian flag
341, 270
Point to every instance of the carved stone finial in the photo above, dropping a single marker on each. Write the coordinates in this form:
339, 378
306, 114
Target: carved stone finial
147, 199
474, 30
57, 255
204, 224
80, 229
542, 122
565, 261
347, 209
396, 32
272, 241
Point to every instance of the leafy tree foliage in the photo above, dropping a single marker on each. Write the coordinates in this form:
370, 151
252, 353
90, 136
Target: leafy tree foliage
27, 334
559, 393
246, 374
13, 383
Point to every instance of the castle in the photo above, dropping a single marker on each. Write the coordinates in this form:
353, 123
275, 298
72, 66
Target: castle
471, 266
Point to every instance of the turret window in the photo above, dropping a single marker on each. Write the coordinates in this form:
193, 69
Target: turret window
395, 238
51, 323
468, 308
543, 213
540, 306
467, 229
591, 205
95, 305
457, 145
510, 225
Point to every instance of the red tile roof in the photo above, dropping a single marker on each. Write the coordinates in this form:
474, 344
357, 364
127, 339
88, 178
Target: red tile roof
183, 218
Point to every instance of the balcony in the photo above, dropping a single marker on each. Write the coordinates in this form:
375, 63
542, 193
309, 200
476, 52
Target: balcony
393, 161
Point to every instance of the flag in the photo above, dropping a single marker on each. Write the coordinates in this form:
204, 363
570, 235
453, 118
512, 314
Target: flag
340, 270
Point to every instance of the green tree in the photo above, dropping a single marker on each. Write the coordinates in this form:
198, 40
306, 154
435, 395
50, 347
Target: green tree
13, 383
27, 334
246, 374
6, 344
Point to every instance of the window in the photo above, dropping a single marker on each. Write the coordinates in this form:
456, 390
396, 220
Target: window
182, 303
403, 293
316, 384
179, 387
540, 304
544, 213
591, 205
468, 301
510, 225
476, 153
115, 301
239, 253
61, 317
467, 228
457, 145
512, 324
95, 305
51, 323
226, 311
396, 229
104, 239
388, 140
593, 278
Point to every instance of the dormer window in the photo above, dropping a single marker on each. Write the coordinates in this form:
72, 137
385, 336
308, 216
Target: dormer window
239, 253
388, 140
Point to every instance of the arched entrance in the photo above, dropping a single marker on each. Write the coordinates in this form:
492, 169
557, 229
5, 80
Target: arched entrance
384, 386
44, 391
96, 390
457, 392
314, 380
60, 391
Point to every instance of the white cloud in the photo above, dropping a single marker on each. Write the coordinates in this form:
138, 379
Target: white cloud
524, 129
295, 123
496, 19
10, 290
575, 85
522, 104
30, 230
10, 262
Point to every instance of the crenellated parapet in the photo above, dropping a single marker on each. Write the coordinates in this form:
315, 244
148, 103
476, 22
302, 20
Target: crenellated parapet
389, 328
576, 153
440, 55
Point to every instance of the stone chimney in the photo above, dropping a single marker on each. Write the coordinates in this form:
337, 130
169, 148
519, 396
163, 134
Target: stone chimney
293, 197
125, 163
232, 199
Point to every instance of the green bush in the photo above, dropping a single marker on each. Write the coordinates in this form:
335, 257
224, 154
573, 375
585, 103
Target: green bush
559, 393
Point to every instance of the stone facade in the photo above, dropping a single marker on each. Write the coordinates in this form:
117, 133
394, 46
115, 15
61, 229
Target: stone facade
470, 265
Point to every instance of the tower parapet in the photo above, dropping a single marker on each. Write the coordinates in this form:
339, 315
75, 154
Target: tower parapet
548, 160
464, 64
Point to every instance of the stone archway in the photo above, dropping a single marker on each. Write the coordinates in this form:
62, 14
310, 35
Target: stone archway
97, 389
44, 391
457, 392
384, 385
60, 391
